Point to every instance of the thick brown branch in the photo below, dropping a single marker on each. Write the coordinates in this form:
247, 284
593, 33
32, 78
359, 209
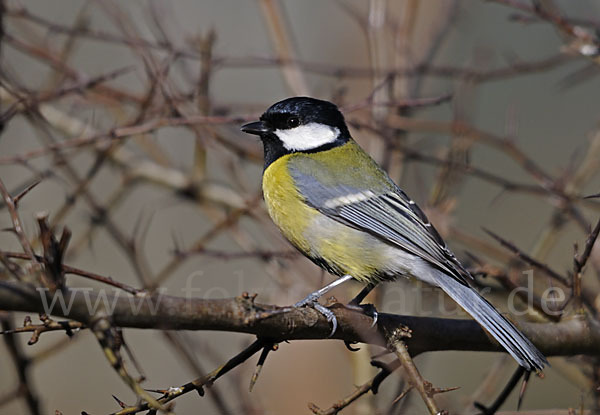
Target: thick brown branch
241, 314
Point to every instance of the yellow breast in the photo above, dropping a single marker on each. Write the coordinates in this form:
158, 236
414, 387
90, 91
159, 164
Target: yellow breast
331, 244
285, 204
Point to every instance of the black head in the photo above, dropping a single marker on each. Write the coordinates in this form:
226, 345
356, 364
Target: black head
299, 124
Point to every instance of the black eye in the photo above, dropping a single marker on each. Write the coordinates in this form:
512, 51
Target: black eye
293, 122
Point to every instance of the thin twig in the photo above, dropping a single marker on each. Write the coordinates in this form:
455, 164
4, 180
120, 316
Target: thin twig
17, 223
531, 261
580, 261
82, 273
371, 385
200, 383
413, 377
589, 245
69, 327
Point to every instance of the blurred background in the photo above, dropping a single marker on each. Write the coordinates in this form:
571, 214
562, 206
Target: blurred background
485, 112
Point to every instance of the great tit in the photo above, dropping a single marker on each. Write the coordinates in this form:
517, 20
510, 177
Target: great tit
333, 202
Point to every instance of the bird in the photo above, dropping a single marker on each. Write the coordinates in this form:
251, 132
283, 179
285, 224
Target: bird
340, 209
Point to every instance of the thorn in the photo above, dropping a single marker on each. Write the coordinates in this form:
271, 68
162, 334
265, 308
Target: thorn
523, 388
261, 361
402, 395
161, 391
18, 197
120, 402
444, 390
431, 390
592, 196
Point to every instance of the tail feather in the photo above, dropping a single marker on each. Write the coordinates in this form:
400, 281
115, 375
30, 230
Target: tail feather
515, 343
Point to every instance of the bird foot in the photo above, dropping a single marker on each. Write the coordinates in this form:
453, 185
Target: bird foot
311, 300
368, 310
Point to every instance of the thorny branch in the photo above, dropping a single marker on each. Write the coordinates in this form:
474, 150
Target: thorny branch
415, 380
69, 327
10, 203
243, 315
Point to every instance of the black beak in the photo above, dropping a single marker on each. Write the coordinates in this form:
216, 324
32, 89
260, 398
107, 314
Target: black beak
256, 128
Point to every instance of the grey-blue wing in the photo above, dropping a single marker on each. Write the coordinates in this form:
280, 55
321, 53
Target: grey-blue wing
389, 215
386, 212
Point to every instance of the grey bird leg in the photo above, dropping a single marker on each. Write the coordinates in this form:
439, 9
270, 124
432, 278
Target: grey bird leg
367, 309
361, 295
312, 298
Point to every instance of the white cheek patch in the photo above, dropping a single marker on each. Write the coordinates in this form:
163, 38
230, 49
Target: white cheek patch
308, 136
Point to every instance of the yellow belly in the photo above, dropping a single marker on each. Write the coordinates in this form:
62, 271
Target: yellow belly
338, 248
286, 206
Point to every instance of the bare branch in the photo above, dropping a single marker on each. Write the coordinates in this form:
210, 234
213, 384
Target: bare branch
242, 315
531, 261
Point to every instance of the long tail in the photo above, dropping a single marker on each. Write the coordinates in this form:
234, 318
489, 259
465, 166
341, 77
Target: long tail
515, 343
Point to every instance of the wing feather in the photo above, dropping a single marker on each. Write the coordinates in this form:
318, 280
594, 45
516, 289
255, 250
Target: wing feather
389, 215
